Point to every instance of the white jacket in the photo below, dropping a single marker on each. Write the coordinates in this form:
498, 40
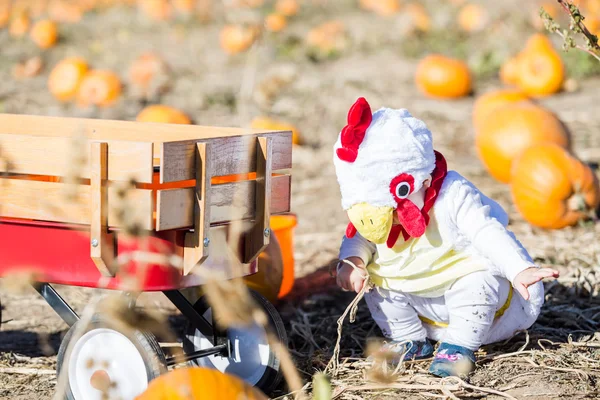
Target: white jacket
474, 224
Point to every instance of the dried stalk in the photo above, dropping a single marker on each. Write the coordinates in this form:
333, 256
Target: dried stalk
576, 26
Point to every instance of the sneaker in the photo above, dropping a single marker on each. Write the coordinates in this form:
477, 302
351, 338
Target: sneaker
452, 360
412, 350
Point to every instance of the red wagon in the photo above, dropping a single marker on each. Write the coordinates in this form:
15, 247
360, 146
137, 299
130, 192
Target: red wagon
112, 204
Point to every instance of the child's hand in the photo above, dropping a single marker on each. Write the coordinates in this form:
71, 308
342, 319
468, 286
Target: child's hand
350, 278
530, 276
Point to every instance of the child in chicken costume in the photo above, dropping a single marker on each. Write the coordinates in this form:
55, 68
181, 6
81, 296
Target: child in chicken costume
443, 265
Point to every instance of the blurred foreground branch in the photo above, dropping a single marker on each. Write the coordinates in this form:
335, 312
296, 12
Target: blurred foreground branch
576, 27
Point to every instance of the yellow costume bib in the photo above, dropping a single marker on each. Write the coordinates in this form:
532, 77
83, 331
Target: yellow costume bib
423, 266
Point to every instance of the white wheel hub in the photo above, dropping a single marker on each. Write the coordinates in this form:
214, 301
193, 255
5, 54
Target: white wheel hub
106, 361
250, 352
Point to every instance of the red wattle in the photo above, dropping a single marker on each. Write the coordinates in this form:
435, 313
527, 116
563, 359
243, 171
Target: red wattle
411, 218
393, 236
350, 230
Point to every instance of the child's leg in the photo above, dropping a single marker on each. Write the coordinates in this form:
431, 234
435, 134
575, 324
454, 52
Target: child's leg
472, 303
394, 315
399, 323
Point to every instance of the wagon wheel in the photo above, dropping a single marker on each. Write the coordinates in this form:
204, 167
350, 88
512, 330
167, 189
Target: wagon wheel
252, 359
107, 363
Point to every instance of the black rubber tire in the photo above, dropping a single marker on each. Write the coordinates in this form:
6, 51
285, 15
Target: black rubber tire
273, 374
148, 346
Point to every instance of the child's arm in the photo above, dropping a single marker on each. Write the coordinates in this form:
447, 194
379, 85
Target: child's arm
490, 238
358, 252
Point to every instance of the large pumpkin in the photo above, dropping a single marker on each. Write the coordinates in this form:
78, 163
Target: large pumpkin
443, 77
553, 189
511, 129
197, 383
491, 101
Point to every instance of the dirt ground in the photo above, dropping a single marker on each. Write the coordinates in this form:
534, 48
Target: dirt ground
559, 358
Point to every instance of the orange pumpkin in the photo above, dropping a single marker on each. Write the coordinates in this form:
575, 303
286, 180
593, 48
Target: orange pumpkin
148, 74
287, 8
271, 124
490, 101
419, 16
4, 14
44, 34
199, 383
162, 114
236, 38
509, 71
385, 7
158, 10
65, 11
552, 189
99, 88
19, 25
328, 37
443, 77
275, 22
541, 70
472, 18
511, 129
65, 78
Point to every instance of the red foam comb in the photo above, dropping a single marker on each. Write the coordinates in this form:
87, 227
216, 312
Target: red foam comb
359, 119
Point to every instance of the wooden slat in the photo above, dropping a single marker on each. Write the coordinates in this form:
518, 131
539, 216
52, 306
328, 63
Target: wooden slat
174, 207
196, 250
110, 130
102, 250
256, 239
46, 201
54, 155
232, 155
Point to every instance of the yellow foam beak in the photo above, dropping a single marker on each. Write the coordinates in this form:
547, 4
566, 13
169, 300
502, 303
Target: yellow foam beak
373, 223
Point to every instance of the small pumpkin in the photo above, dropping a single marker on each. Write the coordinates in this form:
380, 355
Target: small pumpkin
195, 383
540, 69
65, 11
19, 24
65, 78
509, 71
275, 125
237, 38
490, 101
149, 75
275, 22
552, 189
419, 17
158, 10
287, 8
511, 129
443, 77
473, 18
100, 88
162, 114
4, 14
328, 38
385, 7
44, 34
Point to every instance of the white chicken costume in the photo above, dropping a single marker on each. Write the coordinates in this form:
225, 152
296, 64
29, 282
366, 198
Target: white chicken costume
443, 263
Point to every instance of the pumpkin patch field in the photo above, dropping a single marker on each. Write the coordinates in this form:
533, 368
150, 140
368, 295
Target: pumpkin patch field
508, 107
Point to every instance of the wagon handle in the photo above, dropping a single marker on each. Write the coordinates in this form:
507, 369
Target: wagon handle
197, 242
102, 248
257, 238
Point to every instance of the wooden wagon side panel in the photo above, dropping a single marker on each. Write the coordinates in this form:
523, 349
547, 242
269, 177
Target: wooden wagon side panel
229, 156
43, 155
47, 201
229, 201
